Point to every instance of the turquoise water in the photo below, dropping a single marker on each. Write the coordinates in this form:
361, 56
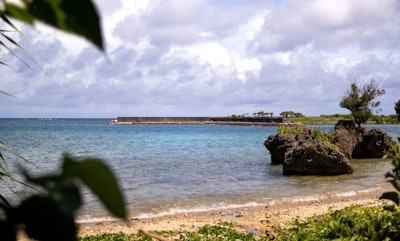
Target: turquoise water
177, 168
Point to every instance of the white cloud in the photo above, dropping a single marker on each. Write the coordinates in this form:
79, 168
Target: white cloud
212, 58
331, 24
208, 53
248, 66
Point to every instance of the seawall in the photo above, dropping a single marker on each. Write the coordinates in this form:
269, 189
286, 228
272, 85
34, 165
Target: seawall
263, 121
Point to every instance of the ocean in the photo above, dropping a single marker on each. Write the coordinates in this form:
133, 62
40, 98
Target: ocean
166, 169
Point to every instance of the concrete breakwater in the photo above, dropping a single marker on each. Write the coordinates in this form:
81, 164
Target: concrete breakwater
263, 121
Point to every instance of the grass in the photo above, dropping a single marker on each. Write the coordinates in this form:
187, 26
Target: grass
222, 232
316, 134
352, 223
285, 130
324, 119
115, 237
333, 119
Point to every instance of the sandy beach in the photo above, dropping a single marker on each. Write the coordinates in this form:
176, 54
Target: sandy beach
260, 219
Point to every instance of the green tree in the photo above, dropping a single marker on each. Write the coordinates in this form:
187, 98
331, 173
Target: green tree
286, 113
397, 109
260, 114
359, 100
298, 114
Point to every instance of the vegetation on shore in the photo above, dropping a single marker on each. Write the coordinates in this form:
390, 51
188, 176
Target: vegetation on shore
333, 119
351, 223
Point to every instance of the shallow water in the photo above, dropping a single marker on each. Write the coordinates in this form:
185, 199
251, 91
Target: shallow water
176, 168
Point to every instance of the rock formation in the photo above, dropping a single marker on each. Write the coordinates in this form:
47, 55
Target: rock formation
344, 139
308, 151
279, 144
318, 159
372, 144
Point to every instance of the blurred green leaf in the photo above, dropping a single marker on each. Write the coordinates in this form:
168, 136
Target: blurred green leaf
44, 220
100, 180
83, 19
74, 16
391, 196
4, 146
4, 203
396, 184
8, 231
3, 161
17, 12
60, 189
3, 92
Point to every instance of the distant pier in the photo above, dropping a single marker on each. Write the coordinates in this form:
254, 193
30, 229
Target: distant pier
245, 121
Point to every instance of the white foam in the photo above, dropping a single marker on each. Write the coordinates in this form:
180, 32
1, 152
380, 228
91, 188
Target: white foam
171, 211
346, 194
90, 219
154, 213
195, 209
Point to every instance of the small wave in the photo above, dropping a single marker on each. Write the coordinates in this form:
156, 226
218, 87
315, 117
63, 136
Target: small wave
91, 219
358, 192
321, 197
196, 209
223, 206
171, 211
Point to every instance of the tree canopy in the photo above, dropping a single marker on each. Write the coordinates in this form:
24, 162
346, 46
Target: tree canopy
291, 114
359, 100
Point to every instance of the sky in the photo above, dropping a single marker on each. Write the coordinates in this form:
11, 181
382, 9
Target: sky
207, 58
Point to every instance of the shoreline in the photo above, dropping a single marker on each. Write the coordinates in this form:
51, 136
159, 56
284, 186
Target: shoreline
263, 218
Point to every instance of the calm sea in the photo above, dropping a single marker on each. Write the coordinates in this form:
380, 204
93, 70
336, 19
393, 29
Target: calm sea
178, 168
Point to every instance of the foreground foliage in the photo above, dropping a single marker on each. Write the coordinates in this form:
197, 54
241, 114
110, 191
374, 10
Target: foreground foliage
50, 213
76, 17
353, 223
394, 176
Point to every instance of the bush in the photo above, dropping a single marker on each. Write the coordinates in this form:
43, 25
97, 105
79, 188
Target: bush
284, 130
351, 223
